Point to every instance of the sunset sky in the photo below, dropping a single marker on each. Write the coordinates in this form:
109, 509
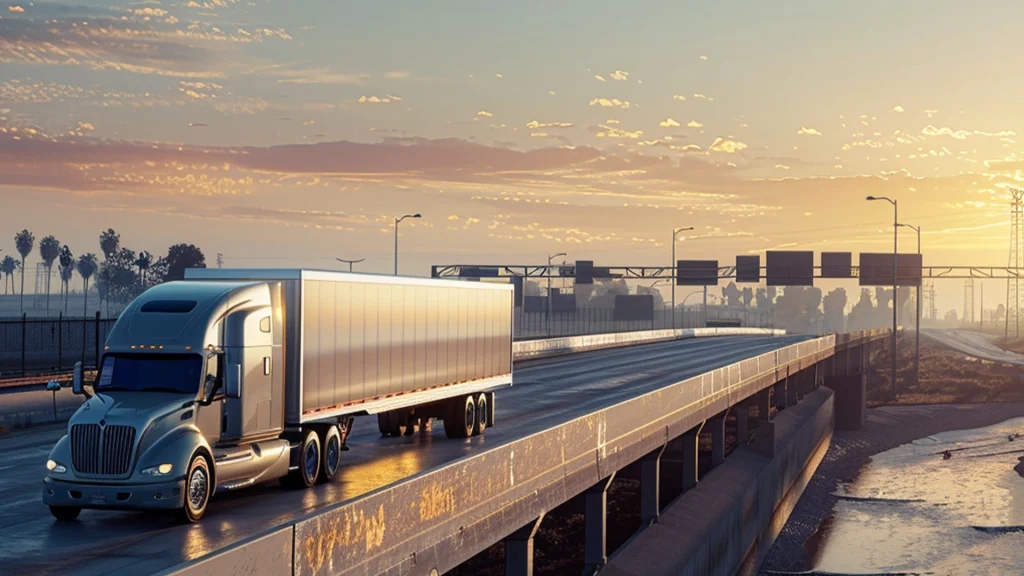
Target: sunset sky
288, 133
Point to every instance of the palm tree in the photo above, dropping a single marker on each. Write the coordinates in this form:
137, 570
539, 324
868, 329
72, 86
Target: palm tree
67, 268
110, 242
144, 261
49, 250
24, 241
86, 268
7, 268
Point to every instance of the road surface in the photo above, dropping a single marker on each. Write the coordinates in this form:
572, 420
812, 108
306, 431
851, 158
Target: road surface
974, 344
545, 393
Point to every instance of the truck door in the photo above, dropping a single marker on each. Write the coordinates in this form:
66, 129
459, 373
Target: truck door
249, 352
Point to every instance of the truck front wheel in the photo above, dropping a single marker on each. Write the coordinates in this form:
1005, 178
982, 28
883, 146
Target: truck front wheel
197, 489
65, 513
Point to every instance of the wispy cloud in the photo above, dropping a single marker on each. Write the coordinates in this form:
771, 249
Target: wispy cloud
804, 131
726, 145
898, 109
619, 75
534, 124
611, 103
694, 124
668, 123
385, 99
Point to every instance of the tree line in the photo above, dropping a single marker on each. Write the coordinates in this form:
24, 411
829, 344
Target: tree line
121, 276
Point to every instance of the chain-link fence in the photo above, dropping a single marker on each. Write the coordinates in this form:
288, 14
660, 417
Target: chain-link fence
38, 346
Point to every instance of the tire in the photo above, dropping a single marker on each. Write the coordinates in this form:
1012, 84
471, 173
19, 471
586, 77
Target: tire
481, 422
65, 513
393, 422
461, 418
198, 488
308, 463
331, 459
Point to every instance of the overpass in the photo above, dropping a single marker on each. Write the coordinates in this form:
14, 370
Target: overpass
415, 506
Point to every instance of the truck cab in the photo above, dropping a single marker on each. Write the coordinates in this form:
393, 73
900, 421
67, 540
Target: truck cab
185, 400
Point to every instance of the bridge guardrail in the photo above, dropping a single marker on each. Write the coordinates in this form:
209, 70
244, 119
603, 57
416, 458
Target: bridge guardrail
548, 347
441, 517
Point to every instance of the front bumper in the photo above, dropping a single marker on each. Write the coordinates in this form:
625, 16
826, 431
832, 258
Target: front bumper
167, 495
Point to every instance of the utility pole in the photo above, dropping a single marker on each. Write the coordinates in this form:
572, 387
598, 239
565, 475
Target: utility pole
675, 271
895, 259
550, 258
397, 222
917, 319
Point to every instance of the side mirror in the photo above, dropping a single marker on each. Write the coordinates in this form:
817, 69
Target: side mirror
209, 390
76, 381
233, 381
53, 386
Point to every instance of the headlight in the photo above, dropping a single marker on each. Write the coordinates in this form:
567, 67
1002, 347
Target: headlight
55, 467
161, 470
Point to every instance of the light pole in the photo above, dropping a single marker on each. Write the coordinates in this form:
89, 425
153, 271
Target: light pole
675, 280
895, 256
683, 304
350, 262
397, 222
917, 321
550, 258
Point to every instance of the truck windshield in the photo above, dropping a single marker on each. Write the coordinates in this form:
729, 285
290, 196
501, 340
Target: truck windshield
180, 373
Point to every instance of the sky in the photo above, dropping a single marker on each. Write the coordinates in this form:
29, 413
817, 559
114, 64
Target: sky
291, 133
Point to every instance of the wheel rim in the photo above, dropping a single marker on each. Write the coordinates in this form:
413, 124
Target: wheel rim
481, 414
333, 454
311, 459
197, 486
470, 416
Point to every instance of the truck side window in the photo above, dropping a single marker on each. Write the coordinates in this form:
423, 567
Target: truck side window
214, 367
265, 325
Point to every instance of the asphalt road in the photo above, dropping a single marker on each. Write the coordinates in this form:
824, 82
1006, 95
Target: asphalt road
974, 344
545, 393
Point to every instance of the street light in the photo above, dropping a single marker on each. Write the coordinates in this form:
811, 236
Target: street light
675, 280
550, 258
350, 262
397, 222
917, 327
895, 254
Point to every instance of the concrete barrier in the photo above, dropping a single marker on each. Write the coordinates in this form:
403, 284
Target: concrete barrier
549, 347
267, 554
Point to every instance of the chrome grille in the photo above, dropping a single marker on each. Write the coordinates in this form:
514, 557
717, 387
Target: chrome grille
102, 451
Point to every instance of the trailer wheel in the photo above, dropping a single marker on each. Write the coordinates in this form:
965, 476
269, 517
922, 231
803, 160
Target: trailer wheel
308, 468
461, 418
481, 422
198, 487
331, 463
393, 422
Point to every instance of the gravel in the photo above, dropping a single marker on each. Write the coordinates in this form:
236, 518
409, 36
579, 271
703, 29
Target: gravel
886, 428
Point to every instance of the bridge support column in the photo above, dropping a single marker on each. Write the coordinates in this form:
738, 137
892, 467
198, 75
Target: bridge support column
779, 394
717, 425
519, 549
595, 551
764, 405
850, 401
691, 439
742, 423
792, 388
650, 487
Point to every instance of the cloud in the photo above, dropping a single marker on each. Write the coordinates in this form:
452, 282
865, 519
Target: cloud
605, 131
398, 75
668, 123
619, 75
499, 76
703, 97
898, 109
930, 130
678, 97
197, 124
694, 124
781, 167
931, 113
803, 131
599, 78
726, 145
386, 99
132, 40
610, 103
534, 124
484, 114
611, 121
15, 9
322, 76
704, 58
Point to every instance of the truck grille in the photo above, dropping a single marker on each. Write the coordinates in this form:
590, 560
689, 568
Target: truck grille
102, 451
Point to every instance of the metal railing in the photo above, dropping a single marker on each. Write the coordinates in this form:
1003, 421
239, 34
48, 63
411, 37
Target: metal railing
38, 346
582, 321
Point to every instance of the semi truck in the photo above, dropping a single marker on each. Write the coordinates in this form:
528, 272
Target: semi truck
230, 378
